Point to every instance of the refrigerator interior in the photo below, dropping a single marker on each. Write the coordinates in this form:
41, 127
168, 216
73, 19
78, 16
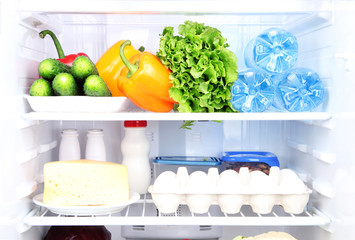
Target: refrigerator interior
318, 145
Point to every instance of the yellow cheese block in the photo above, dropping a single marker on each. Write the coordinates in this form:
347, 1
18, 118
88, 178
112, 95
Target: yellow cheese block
85, 182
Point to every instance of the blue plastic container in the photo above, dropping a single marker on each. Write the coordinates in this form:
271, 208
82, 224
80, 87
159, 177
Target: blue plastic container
253, 91
254, 160
275, 50
299, 90
192, 163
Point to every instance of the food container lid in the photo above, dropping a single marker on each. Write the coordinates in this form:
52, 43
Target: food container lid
188, 160
135, 123
251, 156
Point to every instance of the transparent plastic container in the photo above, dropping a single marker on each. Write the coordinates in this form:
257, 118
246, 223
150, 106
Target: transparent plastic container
299, 90
253, 91
275, 50
254, 160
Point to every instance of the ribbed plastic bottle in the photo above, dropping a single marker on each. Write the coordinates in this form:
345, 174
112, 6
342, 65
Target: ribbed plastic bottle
69, 148
95, 146
299, 90
275, 50
253, 91
135, 149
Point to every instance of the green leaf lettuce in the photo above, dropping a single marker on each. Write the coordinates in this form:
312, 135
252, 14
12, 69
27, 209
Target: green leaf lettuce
203, 69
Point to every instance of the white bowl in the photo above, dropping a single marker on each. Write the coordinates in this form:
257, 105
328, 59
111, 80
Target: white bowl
79, 104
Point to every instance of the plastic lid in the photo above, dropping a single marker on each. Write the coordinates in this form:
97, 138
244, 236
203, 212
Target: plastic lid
135, 123
188, 160
254, 156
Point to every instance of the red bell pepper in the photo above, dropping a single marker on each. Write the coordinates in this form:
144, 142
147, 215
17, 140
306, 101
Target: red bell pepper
69, 59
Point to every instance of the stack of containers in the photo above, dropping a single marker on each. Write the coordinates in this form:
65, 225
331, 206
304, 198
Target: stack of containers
271, 82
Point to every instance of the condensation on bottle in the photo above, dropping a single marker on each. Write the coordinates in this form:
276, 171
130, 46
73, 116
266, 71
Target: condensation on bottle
253, 91
299, 90
275, 50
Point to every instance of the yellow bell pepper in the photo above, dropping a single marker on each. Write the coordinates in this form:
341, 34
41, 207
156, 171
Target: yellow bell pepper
145, 81
110, 65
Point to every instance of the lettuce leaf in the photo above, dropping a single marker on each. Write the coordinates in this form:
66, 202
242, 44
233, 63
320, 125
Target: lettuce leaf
203, 69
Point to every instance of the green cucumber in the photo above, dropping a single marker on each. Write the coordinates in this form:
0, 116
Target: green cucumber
50, 67
95, 86
41, 87
82, 68
64, 85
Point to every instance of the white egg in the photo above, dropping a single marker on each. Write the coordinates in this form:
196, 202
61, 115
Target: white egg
229, 182
291, 183
260, 183
198, 182
166, 182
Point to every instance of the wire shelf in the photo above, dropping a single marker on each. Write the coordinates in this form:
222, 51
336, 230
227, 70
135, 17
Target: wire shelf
144, 212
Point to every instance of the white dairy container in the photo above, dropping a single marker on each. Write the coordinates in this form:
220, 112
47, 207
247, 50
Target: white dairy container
95, 145
69, 148
135, 149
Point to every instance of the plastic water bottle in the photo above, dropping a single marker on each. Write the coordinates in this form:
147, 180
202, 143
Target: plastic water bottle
95, 146
69, 148
135, 149
275, 50
253, 91
299, 90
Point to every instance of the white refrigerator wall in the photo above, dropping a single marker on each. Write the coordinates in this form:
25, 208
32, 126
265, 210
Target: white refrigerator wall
322, 152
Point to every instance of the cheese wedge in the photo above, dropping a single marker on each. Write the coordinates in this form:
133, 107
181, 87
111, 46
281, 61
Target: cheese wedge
85, 182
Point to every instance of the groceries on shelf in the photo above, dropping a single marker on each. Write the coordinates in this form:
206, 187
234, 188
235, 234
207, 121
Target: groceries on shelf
70, 146
271, 81
230, 190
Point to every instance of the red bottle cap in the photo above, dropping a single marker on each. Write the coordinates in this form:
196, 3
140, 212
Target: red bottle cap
135, 123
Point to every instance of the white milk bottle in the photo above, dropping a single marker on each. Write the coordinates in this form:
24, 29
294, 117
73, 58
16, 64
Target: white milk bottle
69, 148
135, 149
95, 146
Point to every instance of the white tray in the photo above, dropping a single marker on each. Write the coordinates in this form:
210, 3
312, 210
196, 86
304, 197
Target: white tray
86, 210
78, 104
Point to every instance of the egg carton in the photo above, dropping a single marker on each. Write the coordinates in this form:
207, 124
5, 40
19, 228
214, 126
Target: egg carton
230, 190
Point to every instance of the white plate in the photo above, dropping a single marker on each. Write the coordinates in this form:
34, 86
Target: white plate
78, 104
86, 210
